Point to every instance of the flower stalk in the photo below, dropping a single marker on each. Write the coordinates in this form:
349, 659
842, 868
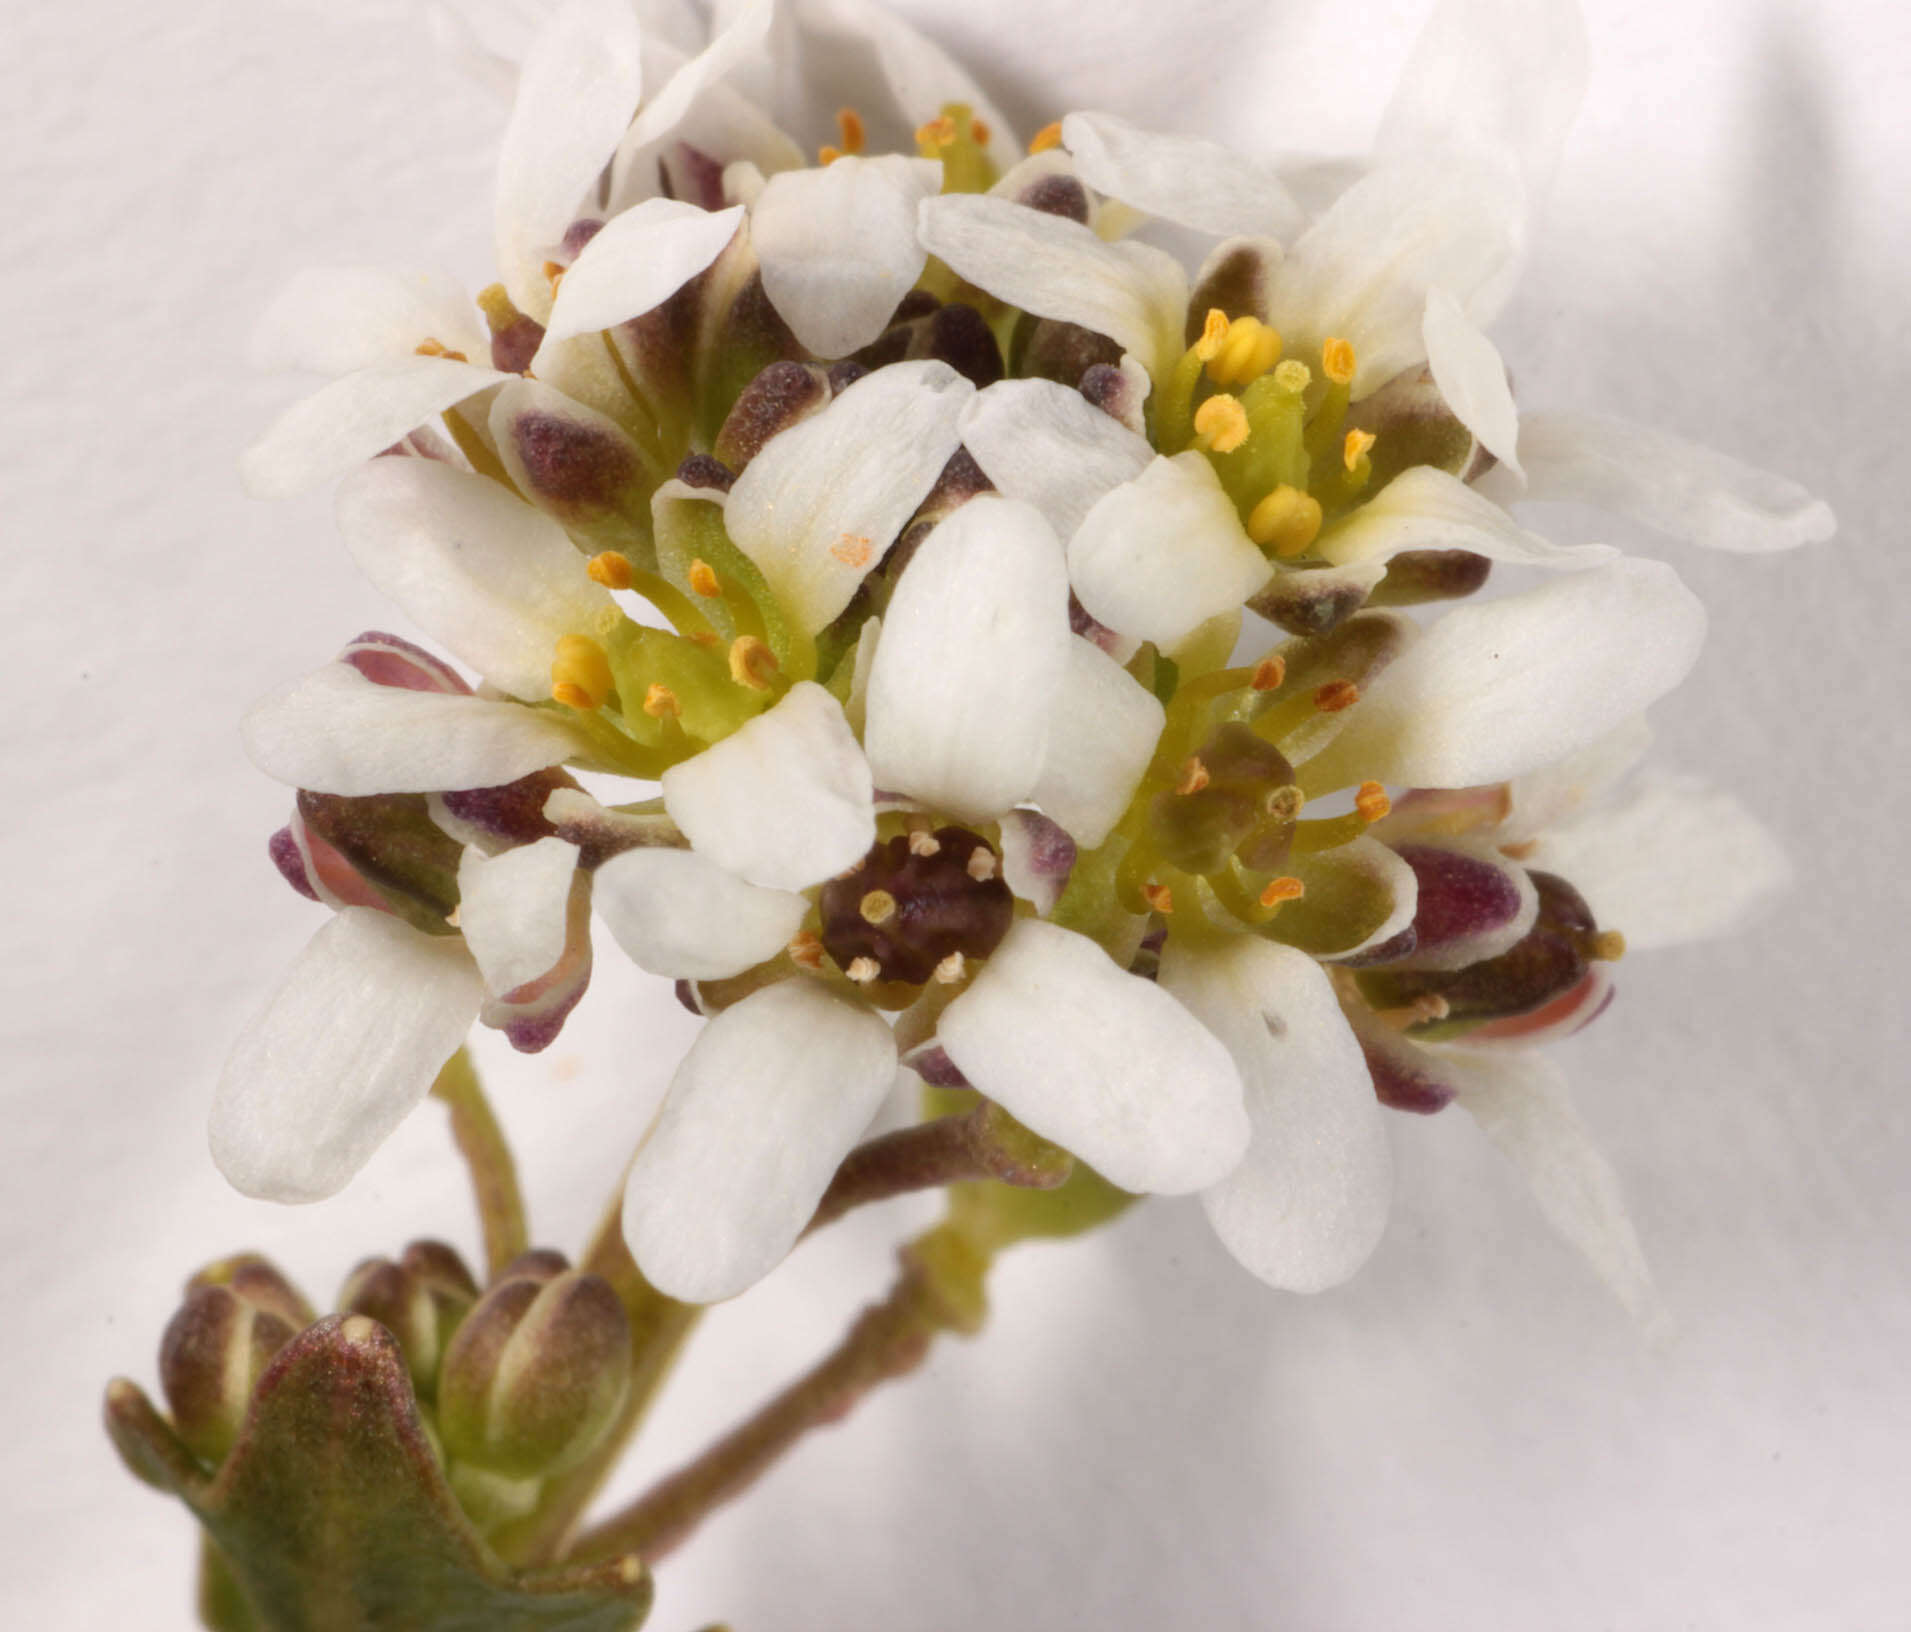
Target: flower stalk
494, 1174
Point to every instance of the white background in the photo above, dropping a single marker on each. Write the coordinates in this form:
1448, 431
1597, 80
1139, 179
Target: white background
1470, 1435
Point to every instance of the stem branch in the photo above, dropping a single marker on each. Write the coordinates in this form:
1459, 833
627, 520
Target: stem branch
494, 1175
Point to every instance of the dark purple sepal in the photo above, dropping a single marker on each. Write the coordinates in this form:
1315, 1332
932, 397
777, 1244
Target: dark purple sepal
390, 660
332, 1509
781, 396
1415, 577
1037, 857
390, 841
1046, 348
503, 817
931, 1062
1234, 280
1463, 897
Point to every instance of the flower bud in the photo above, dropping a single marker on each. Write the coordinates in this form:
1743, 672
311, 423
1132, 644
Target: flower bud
535, 1375
1199, 823
780, 397
393, 845
260, 1283
213, 1353
404, 1306
577, 465
1046, 348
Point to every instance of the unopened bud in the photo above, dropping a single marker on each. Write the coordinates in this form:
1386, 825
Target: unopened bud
782, 395
404, 1306
535, 1375
259, 1281
1198, 829
213, 1353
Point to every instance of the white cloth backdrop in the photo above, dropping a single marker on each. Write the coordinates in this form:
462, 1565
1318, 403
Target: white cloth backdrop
1468, 1436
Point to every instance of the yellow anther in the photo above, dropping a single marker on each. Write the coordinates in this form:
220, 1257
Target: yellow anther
938, 132
806, 950
1214, 334
611, 570
1248, 351
877, 907
1270, 674
1372, 802
752, 663
1158, 896
437, 348
661, 702
979, 132
850, 123
1427, 1006
1356, 447
1282, 889
553, 275
1285, 803
1194, 776
1221, 423
1608, 946
704, 580
580, 673
924, 844
499, 312
1524, 850
981, 865
1050, 135
1293, 375
951, 969
1337, 361
863, 970
1336, 695
1286, 521
827, 155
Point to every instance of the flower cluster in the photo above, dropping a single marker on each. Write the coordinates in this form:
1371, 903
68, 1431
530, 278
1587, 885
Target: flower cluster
1012, 622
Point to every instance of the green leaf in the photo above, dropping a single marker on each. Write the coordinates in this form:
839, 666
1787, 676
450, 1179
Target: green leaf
332, 1513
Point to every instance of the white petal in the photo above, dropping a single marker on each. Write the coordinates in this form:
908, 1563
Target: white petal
838, 246
1468, 370
342, 1053
1362, 272
576, 93
1673, 486
680, 915
786, 801
768, 1101
740, 36
1309, 1201
1556, 794
1497, 689
722, 123
1519, 1098
1424, 508
1037, 858
1043, 443
1099, 1060
1102, 729
354, 418
824, 500
334, 731
1133, 293
1162, 554
474, 566
514, 910
1184, 179
333, 320
1501, 77
636, 262
974, 646
1678, 860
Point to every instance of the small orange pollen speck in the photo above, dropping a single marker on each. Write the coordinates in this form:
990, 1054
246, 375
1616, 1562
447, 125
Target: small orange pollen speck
1337, 361
1282, 889
1158, 896
979, 132
1194, 776
437, 348
660, 700
1520, 851
850, 123
1372, 802
1269, 674
1050, 135
938, 132
827, 155
751, 663
806, 950
852, 549
706, 638
704, 579
1336, 695
1356, 447
611, 570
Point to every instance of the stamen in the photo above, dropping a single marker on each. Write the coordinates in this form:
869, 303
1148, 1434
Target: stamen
1214, 332
1521, 851
1221, 423
1285, 803
863, 970
1372, 802
553, 275
827, 155
806, 950
938, 132
661, 702
437, 348
1050, 135
1427, 1006
1355, 448
924, 843
1282, 889
877, 907
1336, 695
752, 663
979, 132
1194, 776
704, 579
1337, 360
580, 673
850, 123
1270, 674
1287, 521
1293, 375
1159, 896
611, 570
981, 865
951, 969
1249, 350
1608, 946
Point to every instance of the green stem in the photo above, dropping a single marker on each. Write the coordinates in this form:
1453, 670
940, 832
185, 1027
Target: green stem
494, 1175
